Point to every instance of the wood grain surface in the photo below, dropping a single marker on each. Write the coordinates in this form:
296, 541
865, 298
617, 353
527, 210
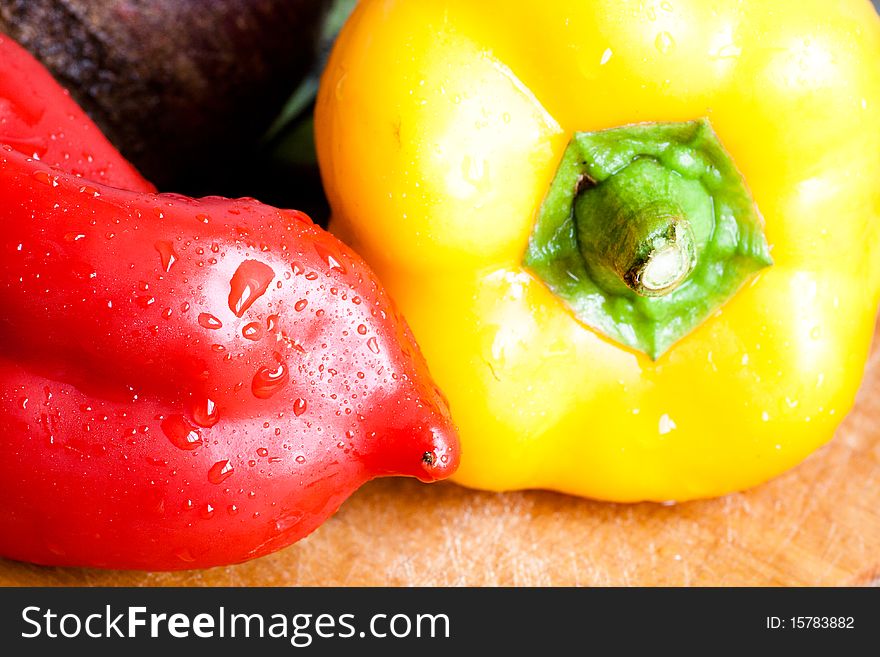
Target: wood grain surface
818, 524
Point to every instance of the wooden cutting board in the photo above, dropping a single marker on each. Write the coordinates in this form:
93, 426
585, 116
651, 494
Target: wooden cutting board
819, 524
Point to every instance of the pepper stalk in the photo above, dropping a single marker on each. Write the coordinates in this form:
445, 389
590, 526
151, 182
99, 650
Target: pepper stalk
646, 230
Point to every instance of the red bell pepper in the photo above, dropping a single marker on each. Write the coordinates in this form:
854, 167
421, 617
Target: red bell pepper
185, 383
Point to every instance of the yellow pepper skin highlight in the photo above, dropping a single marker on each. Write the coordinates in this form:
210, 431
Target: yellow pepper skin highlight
441, 125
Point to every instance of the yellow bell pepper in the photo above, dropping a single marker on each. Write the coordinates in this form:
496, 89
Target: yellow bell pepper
723, 257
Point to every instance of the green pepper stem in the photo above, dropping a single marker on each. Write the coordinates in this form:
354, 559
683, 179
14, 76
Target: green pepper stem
632, 231
645, 231
667, 265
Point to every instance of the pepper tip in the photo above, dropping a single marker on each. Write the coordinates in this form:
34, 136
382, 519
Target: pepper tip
441, 459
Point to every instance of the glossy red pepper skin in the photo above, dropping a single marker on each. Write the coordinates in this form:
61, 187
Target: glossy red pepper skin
190, 383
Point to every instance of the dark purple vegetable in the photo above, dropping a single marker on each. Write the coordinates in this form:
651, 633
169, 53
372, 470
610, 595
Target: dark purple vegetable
177, 86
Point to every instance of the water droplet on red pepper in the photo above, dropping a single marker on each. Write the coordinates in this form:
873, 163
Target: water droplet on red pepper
252, 331
268, 381
181, 433
208, 321
299, 406
301, 305
249, 282
167, 253
205, 413
46, 178
362, 329
220, 471
333, 259
373, 345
